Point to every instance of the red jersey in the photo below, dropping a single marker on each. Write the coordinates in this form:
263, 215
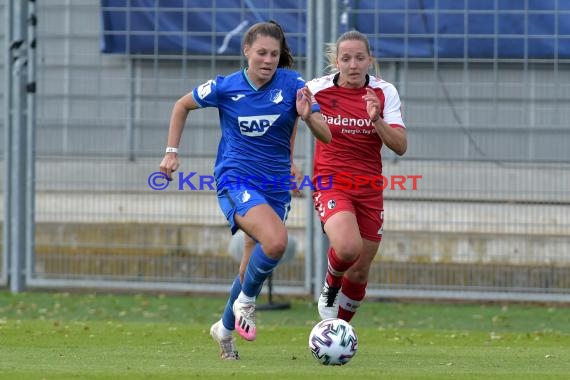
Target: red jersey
355, 146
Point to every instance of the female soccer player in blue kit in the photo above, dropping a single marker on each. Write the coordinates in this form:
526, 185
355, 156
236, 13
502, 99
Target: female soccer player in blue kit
258, 110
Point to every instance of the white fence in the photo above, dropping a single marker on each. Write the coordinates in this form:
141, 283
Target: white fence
490, 218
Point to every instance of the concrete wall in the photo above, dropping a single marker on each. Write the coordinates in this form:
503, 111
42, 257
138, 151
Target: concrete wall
448, 218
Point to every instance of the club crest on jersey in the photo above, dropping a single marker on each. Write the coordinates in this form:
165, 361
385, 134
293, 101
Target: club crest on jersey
276, 96
331, 204
256, 125
245, 196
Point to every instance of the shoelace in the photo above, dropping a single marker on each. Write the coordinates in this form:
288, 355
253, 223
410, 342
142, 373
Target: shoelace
249, 312
228, 348
330, 295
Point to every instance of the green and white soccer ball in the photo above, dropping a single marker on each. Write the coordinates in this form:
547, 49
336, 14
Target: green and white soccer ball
333, 341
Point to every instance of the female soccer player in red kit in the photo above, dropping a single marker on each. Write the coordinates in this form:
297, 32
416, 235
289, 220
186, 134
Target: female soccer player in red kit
363, 113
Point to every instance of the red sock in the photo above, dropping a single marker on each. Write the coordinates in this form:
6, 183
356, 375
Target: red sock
350, 298
336, 268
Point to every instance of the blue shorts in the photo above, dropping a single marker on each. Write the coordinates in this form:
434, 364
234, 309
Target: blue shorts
241, 201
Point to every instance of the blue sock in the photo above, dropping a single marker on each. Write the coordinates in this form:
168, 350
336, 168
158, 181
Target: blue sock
259, 267
228, 318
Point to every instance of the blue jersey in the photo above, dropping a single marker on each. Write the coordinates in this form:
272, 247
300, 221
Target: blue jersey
257, 125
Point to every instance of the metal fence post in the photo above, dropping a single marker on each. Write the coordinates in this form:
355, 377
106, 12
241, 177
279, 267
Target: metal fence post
6, 237
17, 148
30, 140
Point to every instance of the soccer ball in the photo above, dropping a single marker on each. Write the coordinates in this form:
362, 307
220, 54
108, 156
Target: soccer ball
333, 341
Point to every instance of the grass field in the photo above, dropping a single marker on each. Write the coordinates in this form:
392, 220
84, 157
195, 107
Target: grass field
57, 336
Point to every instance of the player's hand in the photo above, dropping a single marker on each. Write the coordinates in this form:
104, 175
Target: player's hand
298, 177
169, 164
304, 103
372, 104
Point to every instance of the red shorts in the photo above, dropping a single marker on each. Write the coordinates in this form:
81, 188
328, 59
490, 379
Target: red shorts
368, 209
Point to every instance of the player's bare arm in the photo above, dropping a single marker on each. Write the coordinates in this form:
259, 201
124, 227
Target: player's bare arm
393, 137
314, 120
182, 107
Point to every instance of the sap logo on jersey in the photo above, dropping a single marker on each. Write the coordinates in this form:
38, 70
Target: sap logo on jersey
256, 125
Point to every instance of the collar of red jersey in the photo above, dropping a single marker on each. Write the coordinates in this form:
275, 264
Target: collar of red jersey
337, 75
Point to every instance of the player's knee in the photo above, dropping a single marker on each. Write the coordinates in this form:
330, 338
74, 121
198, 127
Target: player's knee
348, 250
275, 249
276, 246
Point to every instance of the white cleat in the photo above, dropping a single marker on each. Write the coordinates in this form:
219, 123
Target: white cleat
245, 319
328, 302
227, 344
